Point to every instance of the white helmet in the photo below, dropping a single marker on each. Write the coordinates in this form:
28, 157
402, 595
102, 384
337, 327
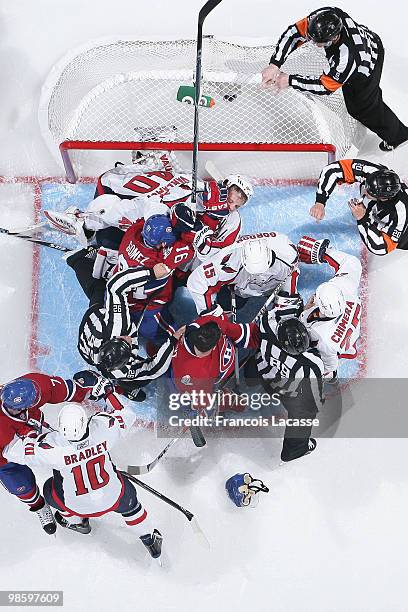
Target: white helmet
241, 182
330, 300
72, 422
257, 257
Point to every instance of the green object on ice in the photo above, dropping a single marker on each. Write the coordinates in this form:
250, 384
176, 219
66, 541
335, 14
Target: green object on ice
186, 93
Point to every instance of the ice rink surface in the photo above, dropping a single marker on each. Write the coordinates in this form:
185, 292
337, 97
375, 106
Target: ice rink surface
331, 535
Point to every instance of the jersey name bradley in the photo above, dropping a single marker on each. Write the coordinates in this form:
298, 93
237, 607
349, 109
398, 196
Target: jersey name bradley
93, 451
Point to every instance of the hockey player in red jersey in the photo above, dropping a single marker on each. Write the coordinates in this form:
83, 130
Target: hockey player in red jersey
20, 415
146, 245
206, 353
85, 482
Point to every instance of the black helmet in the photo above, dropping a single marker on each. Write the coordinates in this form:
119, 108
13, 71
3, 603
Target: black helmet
203, 338
292, 336
114, 354
324, 27
383, 184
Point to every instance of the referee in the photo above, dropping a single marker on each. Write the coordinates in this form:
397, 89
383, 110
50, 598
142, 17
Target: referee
355, 56
287, 365
382, 210
108, 339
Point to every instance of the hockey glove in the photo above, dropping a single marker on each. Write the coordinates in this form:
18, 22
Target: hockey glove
105, 262
183, 219
312, 251
201, 240
215, 311
287, 305
214, 199
97, 385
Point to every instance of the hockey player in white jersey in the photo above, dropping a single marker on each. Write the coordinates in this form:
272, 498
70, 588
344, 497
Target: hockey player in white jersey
254, 266
85, 481
332, 315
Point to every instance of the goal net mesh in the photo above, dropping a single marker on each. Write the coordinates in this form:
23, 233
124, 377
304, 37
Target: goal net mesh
108, 91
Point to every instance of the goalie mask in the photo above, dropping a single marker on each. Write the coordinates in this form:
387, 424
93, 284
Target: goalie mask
257, 257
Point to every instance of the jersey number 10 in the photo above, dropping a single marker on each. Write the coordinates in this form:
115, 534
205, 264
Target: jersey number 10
96, 481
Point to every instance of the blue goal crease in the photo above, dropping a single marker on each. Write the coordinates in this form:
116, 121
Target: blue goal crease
283, 209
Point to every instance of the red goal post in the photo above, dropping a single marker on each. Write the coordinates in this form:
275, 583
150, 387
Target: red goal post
68, 146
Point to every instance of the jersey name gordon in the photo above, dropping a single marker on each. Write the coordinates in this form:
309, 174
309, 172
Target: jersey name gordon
343, 331
93, 451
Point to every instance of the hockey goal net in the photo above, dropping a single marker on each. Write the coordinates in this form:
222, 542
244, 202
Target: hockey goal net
108, 96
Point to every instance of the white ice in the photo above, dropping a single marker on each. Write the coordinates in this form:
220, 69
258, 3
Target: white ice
331, 535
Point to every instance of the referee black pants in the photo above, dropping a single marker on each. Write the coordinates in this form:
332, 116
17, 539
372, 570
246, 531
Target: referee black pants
296, 439
303, 406
364, 102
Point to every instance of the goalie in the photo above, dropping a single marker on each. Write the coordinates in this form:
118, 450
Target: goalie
131, 194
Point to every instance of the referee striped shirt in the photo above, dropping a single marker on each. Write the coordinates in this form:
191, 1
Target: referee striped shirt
356, 52
288, 374
384, 227
100, 324
343, 171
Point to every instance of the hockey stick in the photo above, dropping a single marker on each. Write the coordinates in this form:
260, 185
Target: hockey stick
213, 171
50, 245
136, 470
189, 515
24, 230
234, 320
204, 12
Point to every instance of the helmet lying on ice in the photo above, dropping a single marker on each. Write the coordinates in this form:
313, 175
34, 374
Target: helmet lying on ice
257, 257
241, 489
157, 230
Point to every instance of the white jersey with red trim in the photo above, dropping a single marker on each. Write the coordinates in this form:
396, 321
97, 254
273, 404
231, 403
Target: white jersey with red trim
84, 470
226, 232
139, 180
337, 338
226, 268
